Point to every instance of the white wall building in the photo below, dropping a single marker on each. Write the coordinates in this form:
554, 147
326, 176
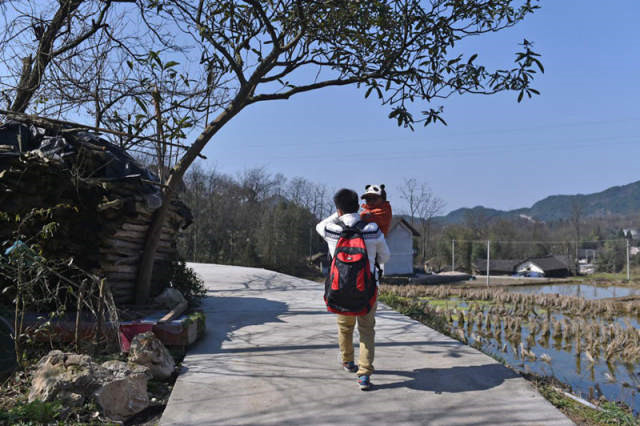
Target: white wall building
529, 266
547, 266
400, 242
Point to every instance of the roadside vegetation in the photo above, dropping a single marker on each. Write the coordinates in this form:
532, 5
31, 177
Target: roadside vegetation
39, 296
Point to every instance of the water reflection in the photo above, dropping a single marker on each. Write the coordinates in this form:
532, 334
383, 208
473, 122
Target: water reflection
586, 291
558, 354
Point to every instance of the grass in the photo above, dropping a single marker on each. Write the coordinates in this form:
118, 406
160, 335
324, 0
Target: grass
608, 277
36, 412
609, 413
409, 307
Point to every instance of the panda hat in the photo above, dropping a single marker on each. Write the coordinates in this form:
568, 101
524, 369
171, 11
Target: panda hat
373, 190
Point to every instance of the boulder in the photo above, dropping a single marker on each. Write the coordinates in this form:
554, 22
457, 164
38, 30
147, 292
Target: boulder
66, 376
148, 350
120, 389
170, 298
126, 393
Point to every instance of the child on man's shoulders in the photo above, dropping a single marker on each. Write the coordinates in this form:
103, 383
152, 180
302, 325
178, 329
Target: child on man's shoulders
376, 207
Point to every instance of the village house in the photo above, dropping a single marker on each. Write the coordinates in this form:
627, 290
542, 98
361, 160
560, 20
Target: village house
400, 242
548, 266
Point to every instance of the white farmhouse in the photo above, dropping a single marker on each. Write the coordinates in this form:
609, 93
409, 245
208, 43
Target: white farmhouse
400, 242
547, 266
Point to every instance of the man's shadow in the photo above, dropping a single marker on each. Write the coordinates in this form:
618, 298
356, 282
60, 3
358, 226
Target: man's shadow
449, 380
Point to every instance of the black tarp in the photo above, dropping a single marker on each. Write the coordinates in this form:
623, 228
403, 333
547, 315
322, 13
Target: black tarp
117, 164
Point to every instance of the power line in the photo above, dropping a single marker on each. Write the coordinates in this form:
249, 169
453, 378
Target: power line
470, 133
466, 151
533, 241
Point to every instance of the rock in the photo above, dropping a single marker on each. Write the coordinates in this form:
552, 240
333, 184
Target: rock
120, 389
123, 369
124, 395
62, 375
147, 349
170, 298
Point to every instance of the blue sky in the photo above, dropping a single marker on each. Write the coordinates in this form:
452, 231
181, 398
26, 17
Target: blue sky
580, 136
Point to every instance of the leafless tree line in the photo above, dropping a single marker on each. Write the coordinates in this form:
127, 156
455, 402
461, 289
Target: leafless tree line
254, 219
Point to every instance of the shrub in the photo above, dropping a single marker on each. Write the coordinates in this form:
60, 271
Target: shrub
185, 279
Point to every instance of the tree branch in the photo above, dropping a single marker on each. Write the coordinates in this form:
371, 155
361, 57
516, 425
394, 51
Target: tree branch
307, 88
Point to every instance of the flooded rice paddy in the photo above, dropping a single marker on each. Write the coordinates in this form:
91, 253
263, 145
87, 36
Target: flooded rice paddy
590, 345
587, 291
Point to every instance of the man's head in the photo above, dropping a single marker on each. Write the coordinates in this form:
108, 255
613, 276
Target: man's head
374, 195
346, 201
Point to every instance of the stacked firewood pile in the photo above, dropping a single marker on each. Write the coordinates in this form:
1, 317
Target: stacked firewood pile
100, 199
120, 251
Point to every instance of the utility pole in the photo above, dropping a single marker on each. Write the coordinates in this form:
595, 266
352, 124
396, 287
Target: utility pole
453, 255
628, 268
488, 260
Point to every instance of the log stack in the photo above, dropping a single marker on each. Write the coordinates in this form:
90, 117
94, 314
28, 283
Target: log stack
121, 251
101, 199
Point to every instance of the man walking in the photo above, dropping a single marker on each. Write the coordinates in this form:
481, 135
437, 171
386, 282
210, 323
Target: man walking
334, 229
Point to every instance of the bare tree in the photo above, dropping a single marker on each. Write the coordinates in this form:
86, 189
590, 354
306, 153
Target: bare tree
431, 207
414, 194
94, 58
37, 34
423, 205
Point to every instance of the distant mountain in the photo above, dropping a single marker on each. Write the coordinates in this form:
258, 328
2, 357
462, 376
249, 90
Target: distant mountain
615, 201
459, 215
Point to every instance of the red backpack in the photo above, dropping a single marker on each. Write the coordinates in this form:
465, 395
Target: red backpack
350, 288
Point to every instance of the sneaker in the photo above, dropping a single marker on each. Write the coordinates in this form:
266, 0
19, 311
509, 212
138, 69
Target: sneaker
350, 366
364, 383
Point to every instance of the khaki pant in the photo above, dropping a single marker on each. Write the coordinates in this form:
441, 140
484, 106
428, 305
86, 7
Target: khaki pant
366, 324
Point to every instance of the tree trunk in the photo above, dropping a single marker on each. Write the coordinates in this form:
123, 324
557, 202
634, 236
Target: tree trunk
145, 269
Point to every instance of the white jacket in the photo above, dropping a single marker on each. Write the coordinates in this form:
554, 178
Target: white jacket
331, 227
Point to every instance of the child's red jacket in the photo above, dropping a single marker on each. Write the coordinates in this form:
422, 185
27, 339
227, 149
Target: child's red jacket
380, 215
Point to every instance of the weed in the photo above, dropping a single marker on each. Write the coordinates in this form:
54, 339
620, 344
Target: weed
36, 411
614, 414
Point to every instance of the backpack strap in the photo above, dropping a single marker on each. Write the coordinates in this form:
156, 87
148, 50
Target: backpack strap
379, 268
359, 225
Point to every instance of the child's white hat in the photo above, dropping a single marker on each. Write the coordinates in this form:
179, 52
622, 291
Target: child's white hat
373, 190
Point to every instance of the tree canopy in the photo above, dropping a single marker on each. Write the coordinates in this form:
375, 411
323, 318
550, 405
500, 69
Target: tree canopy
199, 63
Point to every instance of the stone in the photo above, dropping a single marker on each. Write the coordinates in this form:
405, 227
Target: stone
119, 388
123, 396
58, 375
169, 298
148, 350
123, 369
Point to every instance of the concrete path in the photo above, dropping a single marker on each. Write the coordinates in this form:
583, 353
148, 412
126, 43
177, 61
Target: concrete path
270, 356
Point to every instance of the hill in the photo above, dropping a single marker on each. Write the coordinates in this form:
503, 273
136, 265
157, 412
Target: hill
615, 201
